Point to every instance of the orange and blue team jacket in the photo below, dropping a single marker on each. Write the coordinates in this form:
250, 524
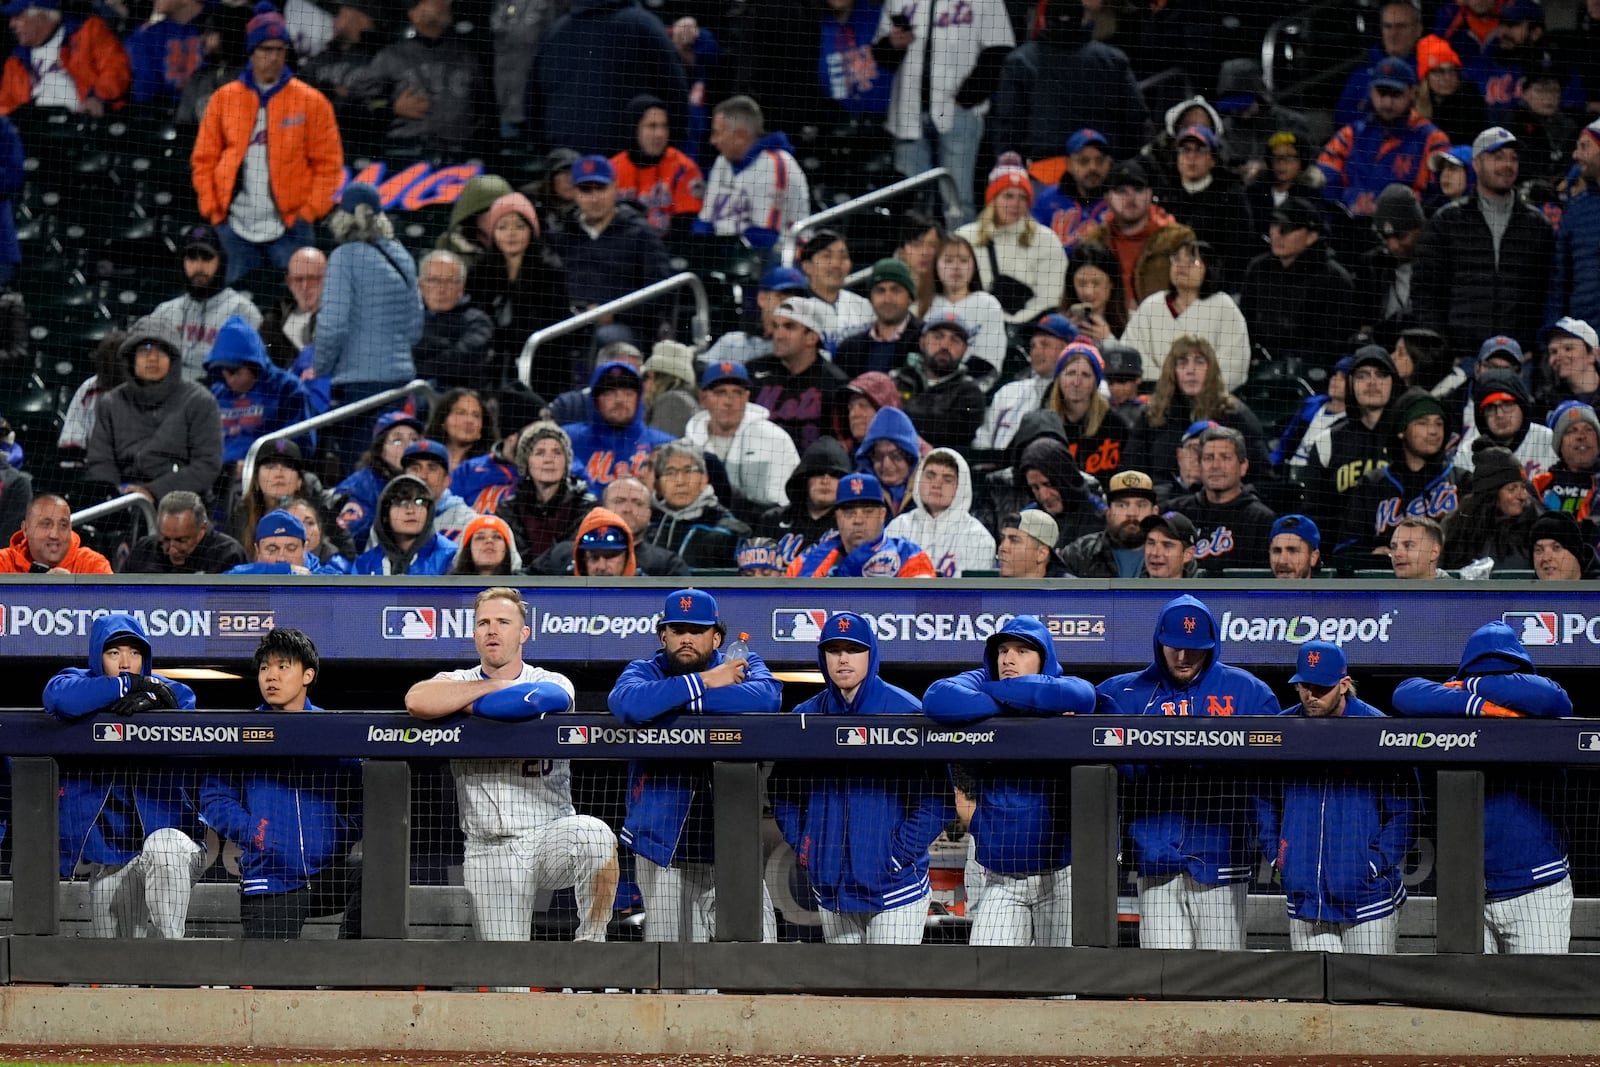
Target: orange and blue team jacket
1368, 154
673, 185
887, 557
305, 159
91, 55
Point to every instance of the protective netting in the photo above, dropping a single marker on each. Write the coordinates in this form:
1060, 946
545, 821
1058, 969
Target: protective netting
304, 209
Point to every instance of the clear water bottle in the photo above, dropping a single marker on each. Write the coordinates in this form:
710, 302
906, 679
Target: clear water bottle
739, 648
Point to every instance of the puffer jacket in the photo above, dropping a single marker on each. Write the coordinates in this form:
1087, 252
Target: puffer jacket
861, 834
1022, 821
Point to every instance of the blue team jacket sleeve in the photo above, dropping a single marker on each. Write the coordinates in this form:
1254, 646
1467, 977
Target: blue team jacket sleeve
74, 693
759, 692
931, 809
1039, 695
521, 702
1399, 830
959, 699
222, 810
642, 694
1527, 693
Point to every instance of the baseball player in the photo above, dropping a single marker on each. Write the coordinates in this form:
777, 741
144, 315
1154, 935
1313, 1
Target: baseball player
522, 831
1337, 837
132, 829
862, 833
293, 825
1021, 822
668, 826
1528, 890
1190, 846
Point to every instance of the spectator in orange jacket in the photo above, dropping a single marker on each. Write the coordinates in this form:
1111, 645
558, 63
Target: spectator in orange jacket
660, 180
72, 64
263, 198
47, 545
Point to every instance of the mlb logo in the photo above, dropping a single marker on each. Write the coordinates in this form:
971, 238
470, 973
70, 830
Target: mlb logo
109, 731
410, 624
1533, 627
1589, 742
798, 624
1110, 736
850, 735
572, 735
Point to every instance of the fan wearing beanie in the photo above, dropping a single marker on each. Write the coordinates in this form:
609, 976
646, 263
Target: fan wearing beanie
264, 194
1419, 480
1496, 514
1019, 259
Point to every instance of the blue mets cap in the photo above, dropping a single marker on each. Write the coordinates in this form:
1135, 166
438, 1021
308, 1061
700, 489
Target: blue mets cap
1319, 663
280, 523
426, 449
725, 371
847, 626
1084, 138
696, 607
593, 170
392, 419
1186, 626
859, 489
1299, 525
784, 280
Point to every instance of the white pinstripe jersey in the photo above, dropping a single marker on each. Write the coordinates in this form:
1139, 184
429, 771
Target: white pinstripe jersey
506, 797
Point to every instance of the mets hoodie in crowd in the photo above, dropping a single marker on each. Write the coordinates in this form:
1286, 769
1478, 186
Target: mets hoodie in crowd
1338, 837
106, 812
290, 820
861, 833
669, 813
1184, 820
1022, 823
1523, 848
275, 400
601, 452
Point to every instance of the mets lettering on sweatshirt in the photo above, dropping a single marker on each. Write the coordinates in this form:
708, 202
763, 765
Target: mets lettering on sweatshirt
1436, 503
804, 406
1218, 542
1103, 459
734, 206
959, 15
604, 468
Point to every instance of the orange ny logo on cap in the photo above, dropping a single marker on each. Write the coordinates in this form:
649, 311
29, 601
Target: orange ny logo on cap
844, 626
1188, 624
855, 485
684, 603
1313, 658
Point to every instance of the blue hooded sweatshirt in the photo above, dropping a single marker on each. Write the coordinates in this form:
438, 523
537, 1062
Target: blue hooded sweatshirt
669, 814
1338, 836
275, 400
290, 820
860, 832
1523, 847
602, 453
1189, 820
894, 425
1022, 822
107, 812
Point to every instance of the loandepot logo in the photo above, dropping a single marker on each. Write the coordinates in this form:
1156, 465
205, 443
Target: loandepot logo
413, 735
1444, 742
1298, 629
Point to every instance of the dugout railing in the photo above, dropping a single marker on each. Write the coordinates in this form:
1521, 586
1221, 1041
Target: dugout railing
1456, 975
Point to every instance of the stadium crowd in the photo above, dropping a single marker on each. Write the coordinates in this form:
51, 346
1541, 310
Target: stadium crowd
1234, 337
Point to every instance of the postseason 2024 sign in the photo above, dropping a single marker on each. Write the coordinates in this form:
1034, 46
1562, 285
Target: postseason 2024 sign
1094, 624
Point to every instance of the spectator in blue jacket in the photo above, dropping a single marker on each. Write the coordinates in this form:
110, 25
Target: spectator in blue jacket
1338, 838
164, 52
406, 541
294, 821
281, 547
1528, 890
1021, 821
133, 826
861, 834
256, 395
371, 313
669, 822
392, 434
1392, 144
615, 441
1191, 850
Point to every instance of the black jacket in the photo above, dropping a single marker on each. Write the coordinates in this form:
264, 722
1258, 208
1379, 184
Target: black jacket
1154, 449
1461, 291
454, 351
861, 352
1062, 82
792, 525
1219, 214
215, 554
1305, 310
947, 413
